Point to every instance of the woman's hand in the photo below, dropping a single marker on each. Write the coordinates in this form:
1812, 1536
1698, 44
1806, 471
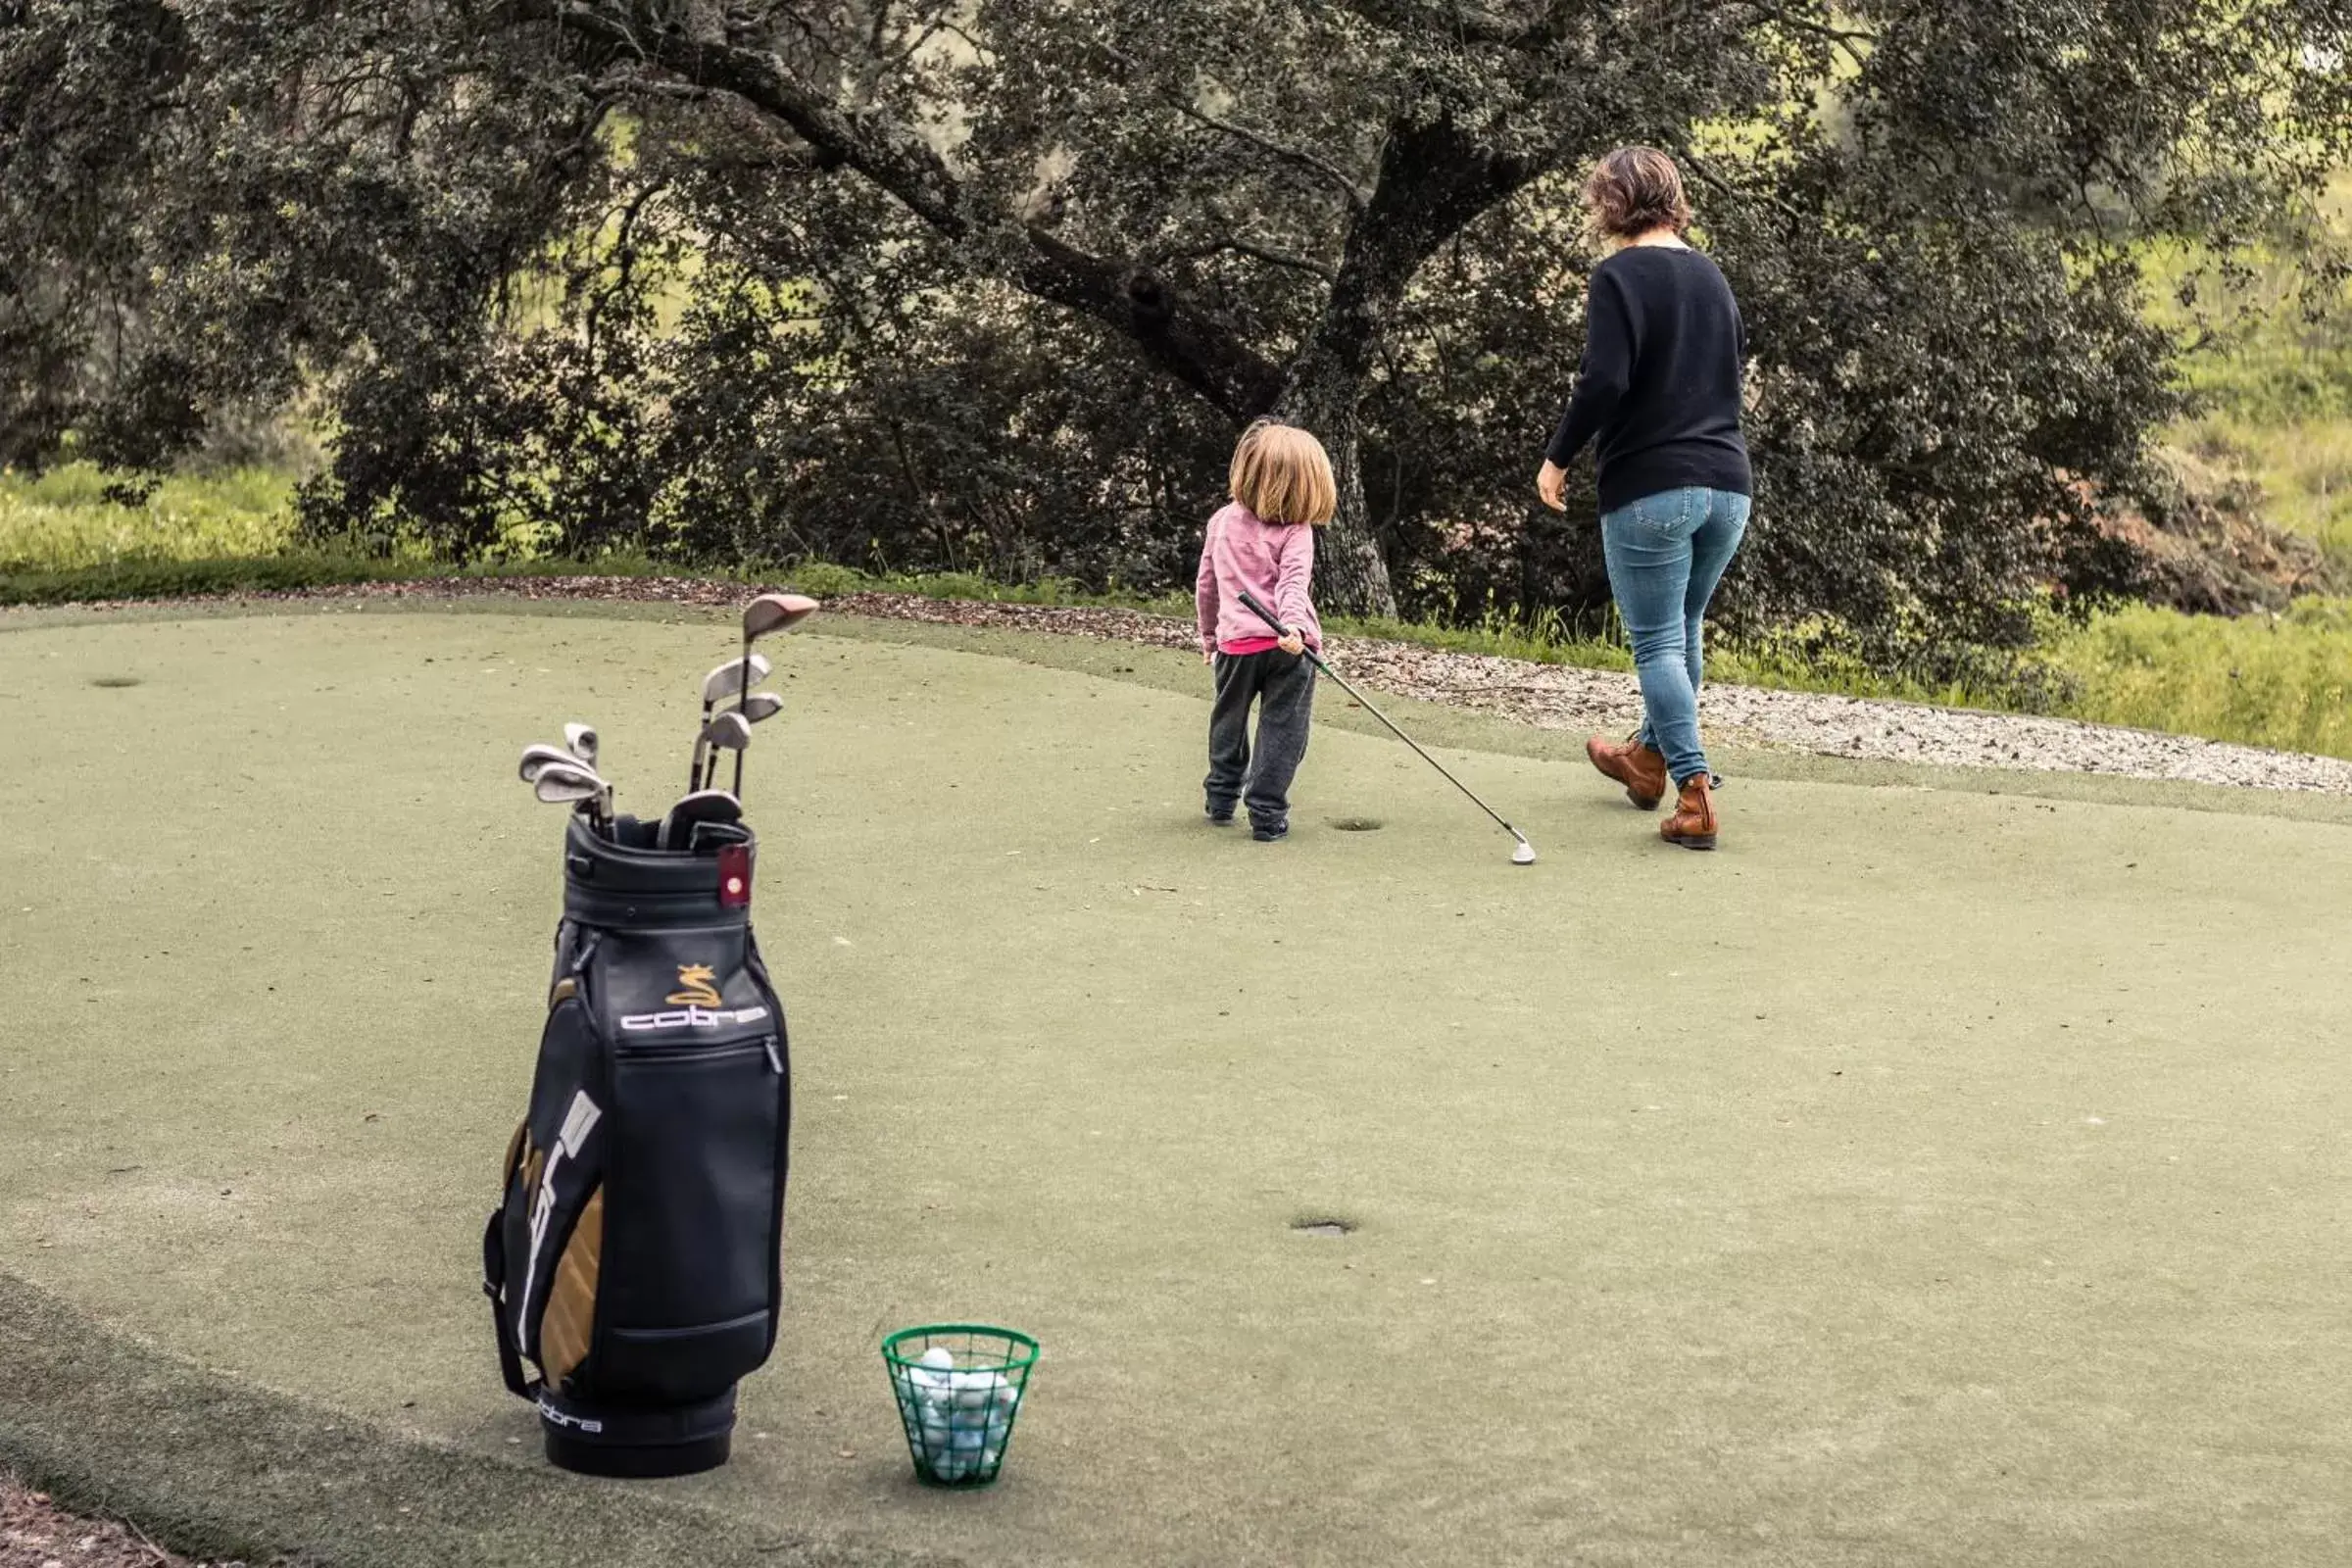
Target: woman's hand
1552, 485
1293, 645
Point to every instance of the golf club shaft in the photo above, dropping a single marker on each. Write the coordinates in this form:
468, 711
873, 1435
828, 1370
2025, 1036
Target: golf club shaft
1270, 619
742, 687
694, 765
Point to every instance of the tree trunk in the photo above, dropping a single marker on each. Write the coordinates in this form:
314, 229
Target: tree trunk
1351, 575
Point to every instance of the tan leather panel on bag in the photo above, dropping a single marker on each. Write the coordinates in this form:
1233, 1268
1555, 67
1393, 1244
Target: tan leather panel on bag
514, 1147
569, 1321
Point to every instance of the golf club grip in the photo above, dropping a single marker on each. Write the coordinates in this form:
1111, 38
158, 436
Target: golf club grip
1263, 614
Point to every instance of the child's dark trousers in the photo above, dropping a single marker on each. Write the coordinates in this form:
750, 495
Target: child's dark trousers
1283, 685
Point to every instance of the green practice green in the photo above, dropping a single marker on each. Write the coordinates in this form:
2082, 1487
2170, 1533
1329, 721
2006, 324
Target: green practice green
1931, 1176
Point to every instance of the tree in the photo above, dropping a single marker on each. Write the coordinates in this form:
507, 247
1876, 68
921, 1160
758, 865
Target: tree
1357, 214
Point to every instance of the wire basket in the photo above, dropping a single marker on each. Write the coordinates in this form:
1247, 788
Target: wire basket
959, 1387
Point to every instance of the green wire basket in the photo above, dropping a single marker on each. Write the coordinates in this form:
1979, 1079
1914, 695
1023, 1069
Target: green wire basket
959, 1387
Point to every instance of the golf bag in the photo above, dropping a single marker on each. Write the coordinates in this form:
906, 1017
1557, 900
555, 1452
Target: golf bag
636, 1260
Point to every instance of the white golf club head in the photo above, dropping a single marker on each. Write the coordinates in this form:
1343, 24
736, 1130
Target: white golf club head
727, 680
580, 741
759, 707
535, 758
730, 731
558, 785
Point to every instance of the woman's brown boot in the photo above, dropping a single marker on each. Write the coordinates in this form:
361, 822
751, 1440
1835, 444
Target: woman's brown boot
1642, 771
1692, 824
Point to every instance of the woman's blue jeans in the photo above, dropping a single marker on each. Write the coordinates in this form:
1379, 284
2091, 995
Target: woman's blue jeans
1666, 553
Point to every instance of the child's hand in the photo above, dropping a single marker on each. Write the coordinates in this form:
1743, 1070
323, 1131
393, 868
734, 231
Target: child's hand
1293, 645
1208, 655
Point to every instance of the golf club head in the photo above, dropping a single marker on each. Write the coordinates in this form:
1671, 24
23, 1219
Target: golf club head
730, 731
727, 680
580, 741
774, 612
560, 785
536, 758
703, 806
759, 707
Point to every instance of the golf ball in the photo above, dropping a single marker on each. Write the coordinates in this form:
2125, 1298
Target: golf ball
939, 1359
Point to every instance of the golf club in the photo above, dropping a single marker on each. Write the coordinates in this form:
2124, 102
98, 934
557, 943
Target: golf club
703, 806
765, 614
1524, 855
727, 680
573, 781
754, 708
580, 741
535, 758
728, 733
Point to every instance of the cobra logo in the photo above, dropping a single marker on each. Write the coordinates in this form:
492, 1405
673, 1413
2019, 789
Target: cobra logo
697, 1004
695, 989
691, 1018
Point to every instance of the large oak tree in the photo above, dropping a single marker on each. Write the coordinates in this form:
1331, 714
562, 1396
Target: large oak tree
547, 255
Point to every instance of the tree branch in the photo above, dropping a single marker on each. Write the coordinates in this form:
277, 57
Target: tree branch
1242, 247
1172, 330
1845, 38
1299, 156
1463, 24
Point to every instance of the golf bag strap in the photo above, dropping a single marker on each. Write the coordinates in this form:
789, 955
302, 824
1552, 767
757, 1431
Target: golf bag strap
494, 1277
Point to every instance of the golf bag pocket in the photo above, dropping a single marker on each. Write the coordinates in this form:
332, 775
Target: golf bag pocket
695, 1310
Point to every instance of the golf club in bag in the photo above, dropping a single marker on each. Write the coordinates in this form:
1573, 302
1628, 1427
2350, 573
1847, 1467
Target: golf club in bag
1524, 854
635, 1265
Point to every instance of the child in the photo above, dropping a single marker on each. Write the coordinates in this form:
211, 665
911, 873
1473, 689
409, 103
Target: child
1283, 490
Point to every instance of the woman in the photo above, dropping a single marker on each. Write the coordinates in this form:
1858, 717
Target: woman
1658, 396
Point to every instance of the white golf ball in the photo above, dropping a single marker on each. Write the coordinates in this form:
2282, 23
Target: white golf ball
939, 1359
989, 1458
967, 1439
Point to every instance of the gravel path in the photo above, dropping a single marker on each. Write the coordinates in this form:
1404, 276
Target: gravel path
1550, 695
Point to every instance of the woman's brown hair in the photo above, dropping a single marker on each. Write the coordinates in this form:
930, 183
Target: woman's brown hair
1283, 474
1634, 190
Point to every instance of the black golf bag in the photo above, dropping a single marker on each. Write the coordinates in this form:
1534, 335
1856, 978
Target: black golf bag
636, 1261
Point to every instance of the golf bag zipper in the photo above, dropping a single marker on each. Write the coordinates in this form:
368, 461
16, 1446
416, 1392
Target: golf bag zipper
683, 1055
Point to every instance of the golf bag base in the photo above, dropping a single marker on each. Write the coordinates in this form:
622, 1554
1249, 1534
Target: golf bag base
637, 1444
634, 1264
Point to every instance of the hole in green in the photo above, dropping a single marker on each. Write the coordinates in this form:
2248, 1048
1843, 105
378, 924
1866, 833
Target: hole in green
1357, 824
1325, 1228
115, 683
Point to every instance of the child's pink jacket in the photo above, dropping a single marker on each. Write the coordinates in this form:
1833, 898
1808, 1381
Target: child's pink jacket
1274, 561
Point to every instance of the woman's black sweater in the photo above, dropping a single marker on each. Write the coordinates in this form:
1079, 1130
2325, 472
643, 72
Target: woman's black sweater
1660, 383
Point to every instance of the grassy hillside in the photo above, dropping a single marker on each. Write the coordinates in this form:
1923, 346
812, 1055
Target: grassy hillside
2275, 376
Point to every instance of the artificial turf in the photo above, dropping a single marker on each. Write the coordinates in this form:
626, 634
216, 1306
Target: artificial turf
1929, 1176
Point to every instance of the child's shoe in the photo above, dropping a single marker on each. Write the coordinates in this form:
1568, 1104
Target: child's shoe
1218, 816
1270, 832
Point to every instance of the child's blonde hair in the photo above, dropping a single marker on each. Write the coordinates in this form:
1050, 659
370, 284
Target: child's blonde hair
1283, 474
